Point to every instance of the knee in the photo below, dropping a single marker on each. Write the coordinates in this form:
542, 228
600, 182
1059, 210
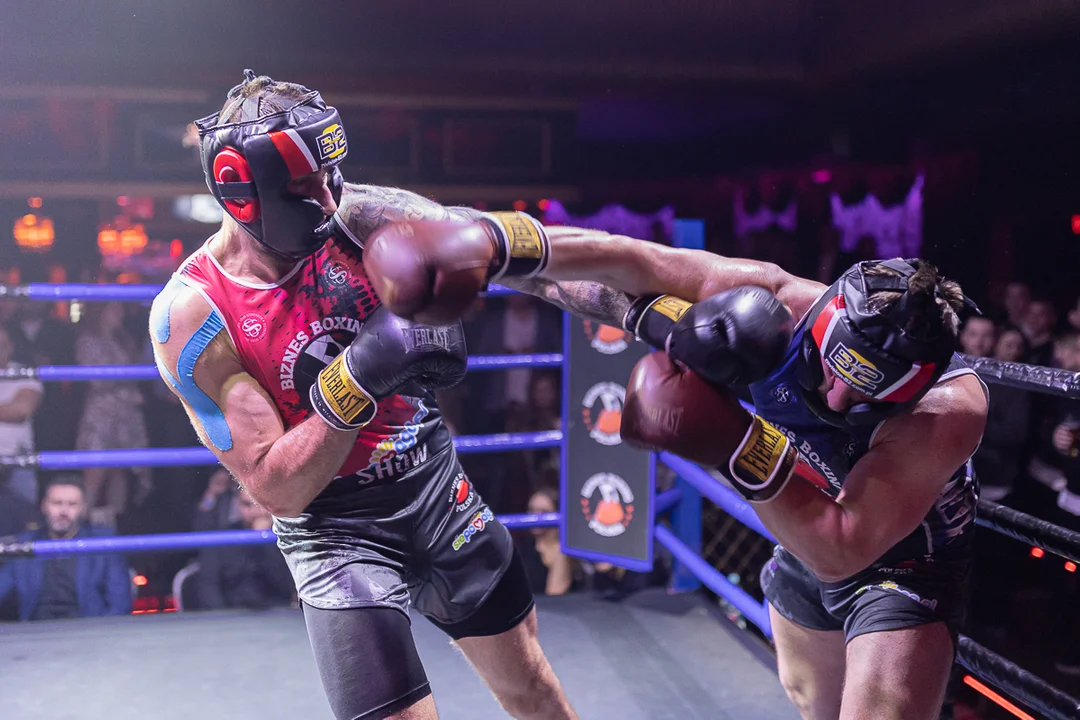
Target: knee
802, 692
534, 697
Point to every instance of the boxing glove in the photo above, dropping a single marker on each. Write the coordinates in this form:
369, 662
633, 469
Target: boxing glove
736, 337
432, 271
669, 408
388, 353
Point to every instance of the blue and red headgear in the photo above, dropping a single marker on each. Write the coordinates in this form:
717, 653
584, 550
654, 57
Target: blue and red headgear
870, 351
248, 164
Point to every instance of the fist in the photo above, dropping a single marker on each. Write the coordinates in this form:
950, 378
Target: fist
429, 271
669, 408
737, 337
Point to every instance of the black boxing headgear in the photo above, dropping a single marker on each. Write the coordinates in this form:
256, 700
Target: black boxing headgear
869, 351
249, 163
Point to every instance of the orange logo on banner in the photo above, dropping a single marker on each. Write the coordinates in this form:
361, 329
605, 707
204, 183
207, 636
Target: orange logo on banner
614, 510
602, 412
606, 339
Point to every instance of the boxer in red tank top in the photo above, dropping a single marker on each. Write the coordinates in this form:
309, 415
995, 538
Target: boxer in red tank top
319, 402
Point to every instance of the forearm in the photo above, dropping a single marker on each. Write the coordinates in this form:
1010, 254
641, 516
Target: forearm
365, 208
297, 467
590, 300
637, 267
814, 528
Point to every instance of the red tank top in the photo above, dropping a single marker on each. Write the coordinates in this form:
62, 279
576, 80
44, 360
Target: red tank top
286, 332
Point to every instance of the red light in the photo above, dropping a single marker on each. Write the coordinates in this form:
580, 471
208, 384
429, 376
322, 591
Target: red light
139, 580
1076, 224
1070, 566
988, 693
1037, 552
820, 177
520, 205
35, 202
544, 204
122, 201
176, 249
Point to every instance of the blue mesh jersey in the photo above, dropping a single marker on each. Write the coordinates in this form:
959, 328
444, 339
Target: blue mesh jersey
833, 451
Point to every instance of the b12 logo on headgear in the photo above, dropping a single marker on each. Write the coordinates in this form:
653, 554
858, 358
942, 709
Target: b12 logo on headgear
608, 504
332, 142
253, 325
601, 410
860, 372
606, 339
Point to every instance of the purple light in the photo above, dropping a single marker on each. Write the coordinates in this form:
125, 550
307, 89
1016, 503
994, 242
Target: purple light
820, 177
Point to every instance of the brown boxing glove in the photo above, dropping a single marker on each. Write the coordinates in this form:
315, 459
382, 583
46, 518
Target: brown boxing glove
669, 408
431, 271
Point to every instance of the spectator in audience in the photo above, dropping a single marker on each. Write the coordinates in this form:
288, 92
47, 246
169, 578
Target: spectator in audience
19, 401
998, 459
244, 576
1017, 303
1039, 328
541, 412
217, 509
535, 466
84, 585
1012, 345
978, 336
1066, 441
112, 415
1073, 317
550, 572
41, 339
16, 513
519, 324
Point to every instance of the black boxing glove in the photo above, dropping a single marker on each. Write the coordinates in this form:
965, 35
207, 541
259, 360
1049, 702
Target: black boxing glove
669, 408
736, 337
388, 353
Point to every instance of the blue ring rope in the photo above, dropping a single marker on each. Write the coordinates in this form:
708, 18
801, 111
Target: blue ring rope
105, 292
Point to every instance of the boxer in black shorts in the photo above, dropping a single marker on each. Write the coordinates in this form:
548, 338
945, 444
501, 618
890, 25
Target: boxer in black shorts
320, 403
858, 457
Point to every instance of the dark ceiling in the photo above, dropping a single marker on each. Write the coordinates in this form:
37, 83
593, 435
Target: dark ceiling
561, 47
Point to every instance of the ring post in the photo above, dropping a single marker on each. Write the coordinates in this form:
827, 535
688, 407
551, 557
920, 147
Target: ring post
686, 525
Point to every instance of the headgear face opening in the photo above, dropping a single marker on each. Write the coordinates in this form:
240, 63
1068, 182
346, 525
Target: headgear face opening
248, 165
869, 351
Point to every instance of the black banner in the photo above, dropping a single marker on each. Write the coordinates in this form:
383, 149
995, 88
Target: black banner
607, 486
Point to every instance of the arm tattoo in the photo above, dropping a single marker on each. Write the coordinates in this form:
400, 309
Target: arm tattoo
367, 207
589, 300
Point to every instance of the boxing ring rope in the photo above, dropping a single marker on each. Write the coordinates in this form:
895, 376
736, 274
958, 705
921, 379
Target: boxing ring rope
128, 293
192, 540
1031, 530
172, 457
979, 660
81, 373
1008, 676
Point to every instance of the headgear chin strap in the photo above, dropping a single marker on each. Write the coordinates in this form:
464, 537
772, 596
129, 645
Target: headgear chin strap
869, 351
249, 163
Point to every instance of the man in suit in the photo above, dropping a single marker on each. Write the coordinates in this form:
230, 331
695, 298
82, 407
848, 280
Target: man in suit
84, 585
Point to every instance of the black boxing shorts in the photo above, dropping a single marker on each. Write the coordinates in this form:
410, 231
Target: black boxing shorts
886, 596
427, 539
